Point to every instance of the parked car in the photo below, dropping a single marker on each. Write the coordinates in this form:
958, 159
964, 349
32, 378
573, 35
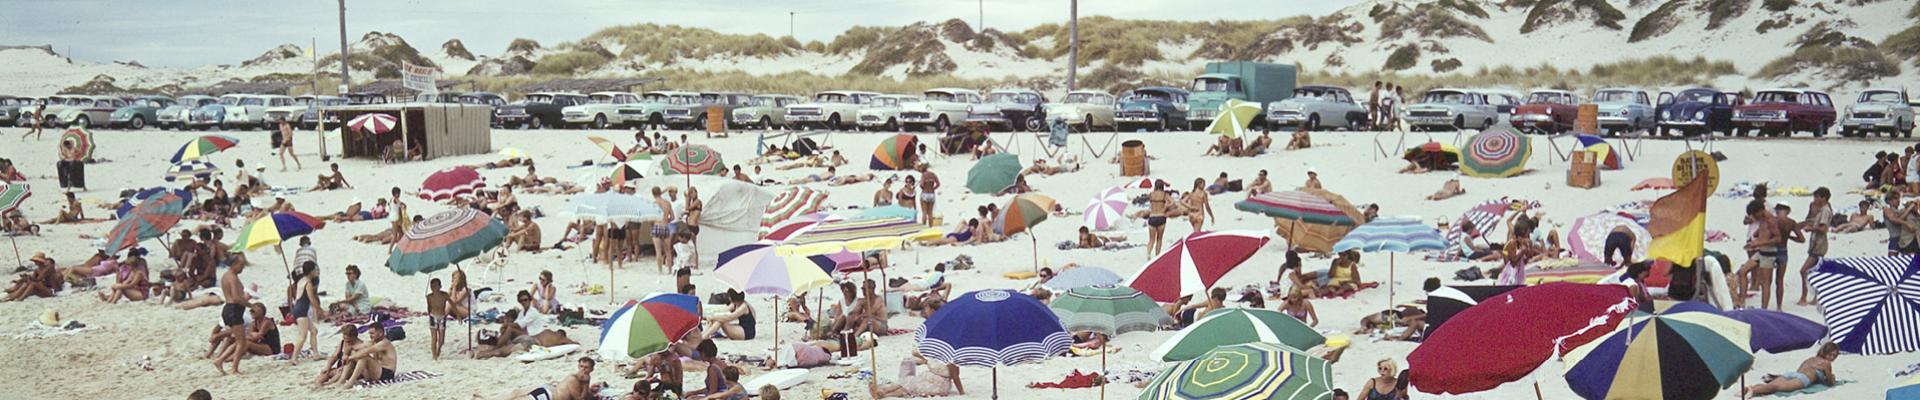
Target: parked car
1624, 109
53, 105
601, 111
1256, 82
1317, 106
310, 116
1879, 110
85, 111
1085, 110
10, 109
538, 110
492, 100
653, 106
176, 115
290, 112
139, 112
694, 116
1159, 108
1547, 111
441, 97
1696, 111
1454, 109
830, 110
1011, 110
361, 98
1503, 101
252, 112
884, 114
938, 109
1781, 112
764, 111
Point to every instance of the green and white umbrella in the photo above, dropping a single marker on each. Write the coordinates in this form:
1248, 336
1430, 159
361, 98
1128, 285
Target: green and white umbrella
1234, 117
1245, 371
1231, 326
1108, 309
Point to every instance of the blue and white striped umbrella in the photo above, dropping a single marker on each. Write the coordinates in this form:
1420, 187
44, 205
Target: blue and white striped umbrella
1871, 304
991, 328
1395, 234
191, 169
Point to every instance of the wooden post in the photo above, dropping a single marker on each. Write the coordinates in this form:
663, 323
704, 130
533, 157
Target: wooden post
776, 333
406, 143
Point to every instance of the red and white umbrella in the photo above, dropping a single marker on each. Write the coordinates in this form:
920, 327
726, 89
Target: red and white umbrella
1195, 262
799, 224
1141, 183
452, 181
372, 123
1106, 210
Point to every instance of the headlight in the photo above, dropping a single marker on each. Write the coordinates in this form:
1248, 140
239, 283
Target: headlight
1666, 114
1700, 115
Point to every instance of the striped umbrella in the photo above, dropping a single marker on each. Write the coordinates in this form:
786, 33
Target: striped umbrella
1448, 154
1497, 153
13, 194
373, 123
993, 173
623, 173
613, 208
894, 153
991, 328
1246, 371
443, 239
1602, 151
1871, 304
693, 159
1507, 337
1234, 117
1108, 309
274, 229
1084, 276
1589, 234
1484, 217
1312, 219
82, 141
202, 146
1195, 262
1685, 350
1231, 326
647, 326
151, 219
794, 226
144, 194
1106, 210
607, 148
1021, 214
191, 169
856, 235
758, 268
792, 202
450, 182
1392, 235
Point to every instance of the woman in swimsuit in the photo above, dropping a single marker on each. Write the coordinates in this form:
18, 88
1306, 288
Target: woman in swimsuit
263, 337
306, 337
1382, 387
737, 323
1196, 203
1297, 306
1157, 205
663, 229
695, 207
906, 197
1817, 370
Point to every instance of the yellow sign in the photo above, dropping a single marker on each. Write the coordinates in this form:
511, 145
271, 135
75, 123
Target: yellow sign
1696, 164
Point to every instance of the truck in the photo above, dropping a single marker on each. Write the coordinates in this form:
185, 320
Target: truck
1256, 82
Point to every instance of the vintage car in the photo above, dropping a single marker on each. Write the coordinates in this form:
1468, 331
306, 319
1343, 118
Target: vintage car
1781, 112
1879, 110
495, 101
938, 109
252, 112
139, 112
694, 116
764, 111
10, 109
291, 112
85, 111
1318, 107
601, 111
1085, 110
1623, 110
1454, 109
361, 98
1011, 110
210, 115
441, 97
1158, 108
537, 110
1503, 101
309, 117
884, 114
175, 116
1696, 111
1547, 111
53, 105
653, 106
830, 110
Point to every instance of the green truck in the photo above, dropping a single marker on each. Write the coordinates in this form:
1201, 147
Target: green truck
1256, 82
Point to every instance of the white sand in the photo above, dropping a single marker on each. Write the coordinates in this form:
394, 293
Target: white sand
104, 363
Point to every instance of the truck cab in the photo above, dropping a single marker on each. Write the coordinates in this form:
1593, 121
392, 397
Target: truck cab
1256, 82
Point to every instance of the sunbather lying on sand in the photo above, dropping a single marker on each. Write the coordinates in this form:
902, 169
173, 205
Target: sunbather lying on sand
828, 177
1040, 167
850, 179
578, 386
1448, 190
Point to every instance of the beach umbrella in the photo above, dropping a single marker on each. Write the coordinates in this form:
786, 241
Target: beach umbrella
856, 235
144, 194
1778, 332
888, 211
1496, 153
1021, 213
1194, 263
1234, 325
1106, 210
1310, 219
1445, 302
202, 146
1393, 235
82, 141
1508, 336
693, 159
993, 173
1082, 276
1108, 310
151, 219
1587, 237
1684, 350
1871, 304
1485, 217
1140, 183
648, 326
13, 194
1655, 184
757, 268
451, 182
992, 328
792, 202
623, 173
794, 226
444, 239
274, 229
613, 208
190, 170
1574, 271
840, 261
1234, 117
512, 153
373, 123
894, 153
607, 148
1602, 151
1245, 371
1448, 153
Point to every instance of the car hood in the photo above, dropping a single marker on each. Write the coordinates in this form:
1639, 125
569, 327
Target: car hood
755, 109
877, 111
1685, 110
1431, 106
1765, 107
821, 105
1877, 107
930, 105
1535, 108
1615, 105
1295, 103
1142, 105
994, 107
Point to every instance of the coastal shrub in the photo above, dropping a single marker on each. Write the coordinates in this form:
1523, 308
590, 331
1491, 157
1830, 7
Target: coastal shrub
1429, 21
453, 48
658, 44
1778, 5
523, 46
1658, 22
1402, 58
1446, 65
797, 83
816, 47
857, 38
1465, 6
1721, 11
1111, 79
917, 46
1546, 13
1851, 64
569, 63
1657, 71
1904, 45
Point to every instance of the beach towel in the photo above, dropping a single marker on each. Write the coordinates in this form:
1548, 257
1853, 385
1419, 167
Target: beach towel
1811, 389
398, 378
1349, 294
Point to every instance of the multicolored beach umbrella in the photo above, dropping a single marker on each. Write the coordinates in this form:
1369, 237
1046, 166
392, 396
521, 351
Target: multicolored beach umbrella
614, 208
1485, 217
1022, 213
190, 170
757, 268
202, 146
1310, 219
1602, 151
186, 196
82, 141
1685, 350
1195, 262
625, 172
1446, 152
647, 326
451, 182
1871, 304
373, 123
855, 235
1778, 332
894, 153
13, 194
993, 173
1588, 236
693, 159
151, 219
1247, 371
794, 201
443, 239
1507, 337
274, 229
1106, 210
794, 226
607, 148
1497, 153
1232, 326
1108, 309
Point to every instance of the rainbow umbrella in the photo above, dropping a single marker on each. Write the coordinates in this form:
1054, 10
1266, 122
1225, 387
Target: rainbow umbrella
856, 235
444, 239
82, 143
795, 201
1245, 371
1106, 210
607, 148
450, 182
1497, 153
373, 123
647, 326
693, 159
1602, 151
151, 219
1021, 214
1684, 350
1311, 219
894, 153
191, 169
202, 146
625, 172
274, 229
144, 194
794, 226
758, 268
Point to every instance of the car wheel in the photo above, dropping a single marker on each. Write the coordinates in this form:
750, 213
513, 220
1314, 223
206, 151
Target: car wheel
82, 122
1459, 122
599, 121
535, 123
766, 123
942, 125
1034, 124
1823, 130
1163, 126
139, 122
833, 121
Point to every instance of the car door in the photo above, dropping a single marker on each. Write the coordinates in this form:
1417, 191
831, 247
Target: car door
1720, 114
1660, 107
1828, 115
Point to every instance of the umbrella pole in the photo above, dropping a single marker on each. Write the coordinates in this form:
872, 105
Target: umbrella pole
16, 250
1103, 369
996, 383
1036, 251
610, 284
1391, 270
1536, 391
283, 258
776, 331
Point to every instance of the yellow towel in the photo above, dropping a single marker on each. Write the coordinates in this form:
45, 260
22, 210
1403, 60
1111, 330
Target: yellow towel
1019, 275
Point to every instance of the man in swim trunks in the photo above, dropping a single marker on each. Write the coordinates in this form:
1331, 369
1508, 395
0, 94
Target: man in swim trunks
233, 310
578, 386
375, 361
436, 315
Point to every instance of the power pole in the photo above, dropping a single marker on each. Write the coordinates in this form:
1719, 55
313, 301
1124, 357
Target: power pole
343, 49
790, 26
1073, 42
983, 16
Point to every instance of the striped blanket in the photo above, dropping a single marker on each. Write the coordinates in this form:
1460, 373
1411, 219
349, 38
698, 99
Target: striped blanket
398, 378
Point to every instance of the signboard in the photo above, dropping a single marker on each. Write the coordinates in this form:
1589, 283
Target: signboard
418, 78
1696, 164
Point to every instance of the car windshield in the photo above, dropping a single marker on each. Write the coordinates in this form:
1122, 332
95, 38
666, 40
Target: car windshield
538, 98
151, 103
600, 99
1211, 84
684, 99
1704, 96
252, 101
301, 101
1613, 96
333, 102
940, 96
886, 101
1547, 97
1777, 97
1149, 95
1881, 96
1447, 97
1006, 97
1309, 93
1088, 98
203, 101
831, 98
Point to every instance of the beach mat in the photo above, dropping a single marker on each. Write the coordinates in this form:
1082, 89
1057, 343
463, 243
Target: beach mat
399, 378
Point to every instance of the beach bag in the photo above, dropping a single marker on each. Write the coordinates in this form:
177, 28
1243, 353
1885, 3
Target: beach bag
395, 331
1469, 274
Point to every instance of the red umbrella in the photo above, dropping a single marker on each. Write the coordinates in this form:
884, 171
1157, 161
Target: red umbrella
453, 181
372, 123
1654, 184
1506, 337
1195, 262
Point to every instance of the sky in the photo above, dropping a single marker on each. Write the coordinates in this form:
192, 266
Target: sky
187, 33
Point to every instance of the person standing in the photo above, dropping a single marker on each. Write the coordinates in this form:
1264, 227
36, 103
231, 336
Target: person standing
1158, 204
72, 166
1819, 221
928, 184
1789, 231
39, 118
662, 232
233, 310
1198, 208
1373, 107
285, 138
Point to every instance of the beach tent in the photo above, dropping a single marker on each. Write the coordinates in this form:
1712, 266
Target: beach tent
733, 211
894, 154
438, 129
1310, 219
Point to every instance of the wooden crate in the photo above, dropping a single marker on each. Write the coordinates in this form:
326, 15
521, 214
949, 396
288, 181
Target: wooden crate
1588, 122
1583, 173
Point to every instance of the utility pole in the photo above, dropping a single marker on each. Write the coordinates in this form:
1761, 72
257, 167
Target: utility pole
790, 26
343, 49
1073, 42
983, 16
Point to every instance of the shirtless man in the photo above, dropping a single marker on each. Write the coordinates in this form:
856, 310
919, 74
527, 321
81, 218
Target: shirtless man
1260, 185
929, 183
233, 307
1313, 179
578, 386
1158, 203
504, 343
332, 180
374, 362
437, 315
1765, 257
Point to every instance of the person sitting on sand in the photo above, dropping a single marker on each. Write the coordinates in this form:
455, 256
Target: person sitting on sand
531, 179
43, 281
941, 379
1301, 139
1860, 220
1261, 185
15, 223
1816, 370
1188, 313
1258, 146
263, 335
1343, 277
1297, 305
70, 212
98, 265
525, 236
331, 181
1448, 190
505, 341
1019, 186
1088, 240
376, 361
737, 323
578, 386
1226, 146
354, 300
337, 364
130, 281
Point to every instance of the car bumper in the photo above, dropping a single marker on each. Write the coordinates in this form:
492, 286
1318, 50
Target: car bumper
1137, 120
514, 118
917, 119
1533, 124
1761, 123
987, 118
1287, 118
1427, 121
576, 118
1866, 123
1684, 124
680, 119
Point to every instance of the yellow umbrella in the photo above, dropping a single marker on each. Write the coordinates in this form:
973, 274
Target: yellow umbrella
1234, 117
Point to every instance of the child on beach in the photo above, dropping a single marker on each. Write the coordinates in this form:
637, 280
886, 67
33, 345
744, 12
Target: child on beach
437, 315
